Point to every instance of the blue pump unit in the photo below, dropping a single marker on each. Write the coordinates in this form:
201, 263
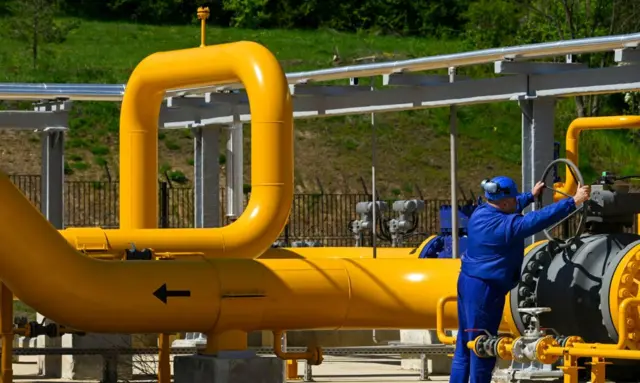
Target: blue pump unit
441, 246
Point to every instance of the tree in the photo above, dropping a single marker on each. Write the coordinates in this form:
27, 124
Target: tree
492, 23
549, 20
33, 21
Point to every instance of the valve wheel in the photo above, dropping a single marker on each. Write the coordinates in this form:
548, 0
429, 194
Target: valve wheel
580, 211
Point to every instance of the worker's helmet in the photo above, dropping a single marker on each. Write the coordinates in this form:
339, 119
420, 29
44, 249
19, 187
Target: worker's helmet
499, 187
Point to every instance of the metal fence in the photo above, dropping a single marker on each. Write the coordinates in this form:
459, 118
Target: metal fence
314, 217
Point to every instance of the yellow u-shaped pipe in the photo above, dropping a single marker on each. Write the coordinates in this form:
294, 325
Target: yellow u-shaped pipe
573, 133
271, 153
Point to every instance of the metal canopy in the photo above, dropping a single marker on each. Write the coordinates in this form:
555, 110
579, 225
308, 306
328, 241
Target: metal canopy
341, 100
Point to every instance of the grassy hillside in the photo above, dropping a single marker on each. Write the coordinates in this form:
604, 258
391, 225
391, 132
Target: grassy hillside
331, 153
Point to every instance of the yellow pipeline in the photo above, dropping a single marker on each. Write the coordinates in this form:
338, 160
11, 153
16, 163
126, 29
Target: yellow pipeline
94, 242
271, 153
225, 294
615, 351
573, 132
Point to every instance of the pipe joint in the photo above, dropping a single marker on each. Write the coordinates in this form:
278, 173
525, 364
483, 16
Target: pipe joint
492, 346
313, 355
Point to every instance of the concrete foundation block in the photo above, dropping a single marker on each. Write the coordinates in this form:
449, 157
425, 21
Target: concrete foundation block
49, 366
91, 367
437, 365
227, 369
24, 342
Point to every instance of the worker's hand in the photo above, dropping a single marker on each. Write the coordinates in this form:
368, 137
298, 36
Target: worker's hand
537, 189
582, 194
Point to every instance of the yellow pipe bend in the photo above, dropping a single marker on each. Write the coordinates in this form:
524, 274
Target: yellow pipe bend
587, 348
271, 152
573, 132
440, 331
313, 355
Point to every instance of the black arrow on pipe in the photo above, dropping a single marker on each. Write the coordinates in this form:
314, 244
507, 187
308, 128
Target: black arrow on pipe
164, 294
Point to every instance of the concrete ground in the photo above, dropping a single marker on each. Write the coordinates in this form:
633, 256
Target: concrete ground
333, 369
362, 370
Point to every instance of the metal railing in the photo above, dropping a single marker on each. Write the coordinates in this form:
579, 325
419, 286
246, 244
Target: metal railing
324, 218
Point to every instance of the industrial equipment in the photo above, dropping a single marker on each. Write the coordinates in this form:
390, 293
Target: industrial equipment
407, 221
440, 246
525, 365
393, 230
595, 269
364, 225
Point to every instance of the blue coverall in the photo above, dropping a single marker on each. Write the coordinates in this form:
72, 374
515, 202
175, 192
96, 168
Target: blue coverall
490, 269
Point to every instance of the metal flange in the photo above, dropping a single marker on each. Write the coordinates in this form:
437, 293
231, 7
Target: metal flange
621, 280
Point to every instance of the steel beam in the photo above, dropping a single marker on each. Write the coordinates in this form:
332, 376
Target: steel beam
542, 146
52, 181
32, 120
453, 151
526, 108
206, 166
526, 67
234, 169
506, 88
388, 100
208, 99
615, 79
411, 79
627, 55
329, 90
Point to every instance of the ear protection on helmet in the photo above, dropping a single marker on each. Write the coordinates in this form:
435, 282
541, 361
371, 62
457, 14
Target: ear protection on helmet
493, 187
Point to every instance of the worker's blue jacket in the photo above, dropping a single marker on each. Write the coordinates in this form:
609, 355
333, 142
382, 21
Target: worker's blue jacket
495, 243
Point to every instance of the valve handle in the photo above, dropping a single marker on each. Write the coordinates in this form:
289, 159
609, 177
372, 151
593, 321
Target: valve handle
534, 310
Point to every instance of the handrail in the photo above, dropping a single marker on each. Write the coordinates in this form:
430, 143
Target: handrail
114, 92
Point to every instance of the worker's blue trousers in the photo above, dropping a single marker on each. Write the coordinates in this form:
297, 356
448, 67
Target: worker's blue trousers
480, 306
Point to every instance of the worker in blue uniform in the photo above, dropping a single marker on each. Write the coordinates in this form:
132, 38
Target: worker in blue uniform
491, 266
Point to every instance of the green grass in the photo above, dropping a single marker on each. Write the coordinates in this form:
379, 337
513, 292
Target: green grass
332, 153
